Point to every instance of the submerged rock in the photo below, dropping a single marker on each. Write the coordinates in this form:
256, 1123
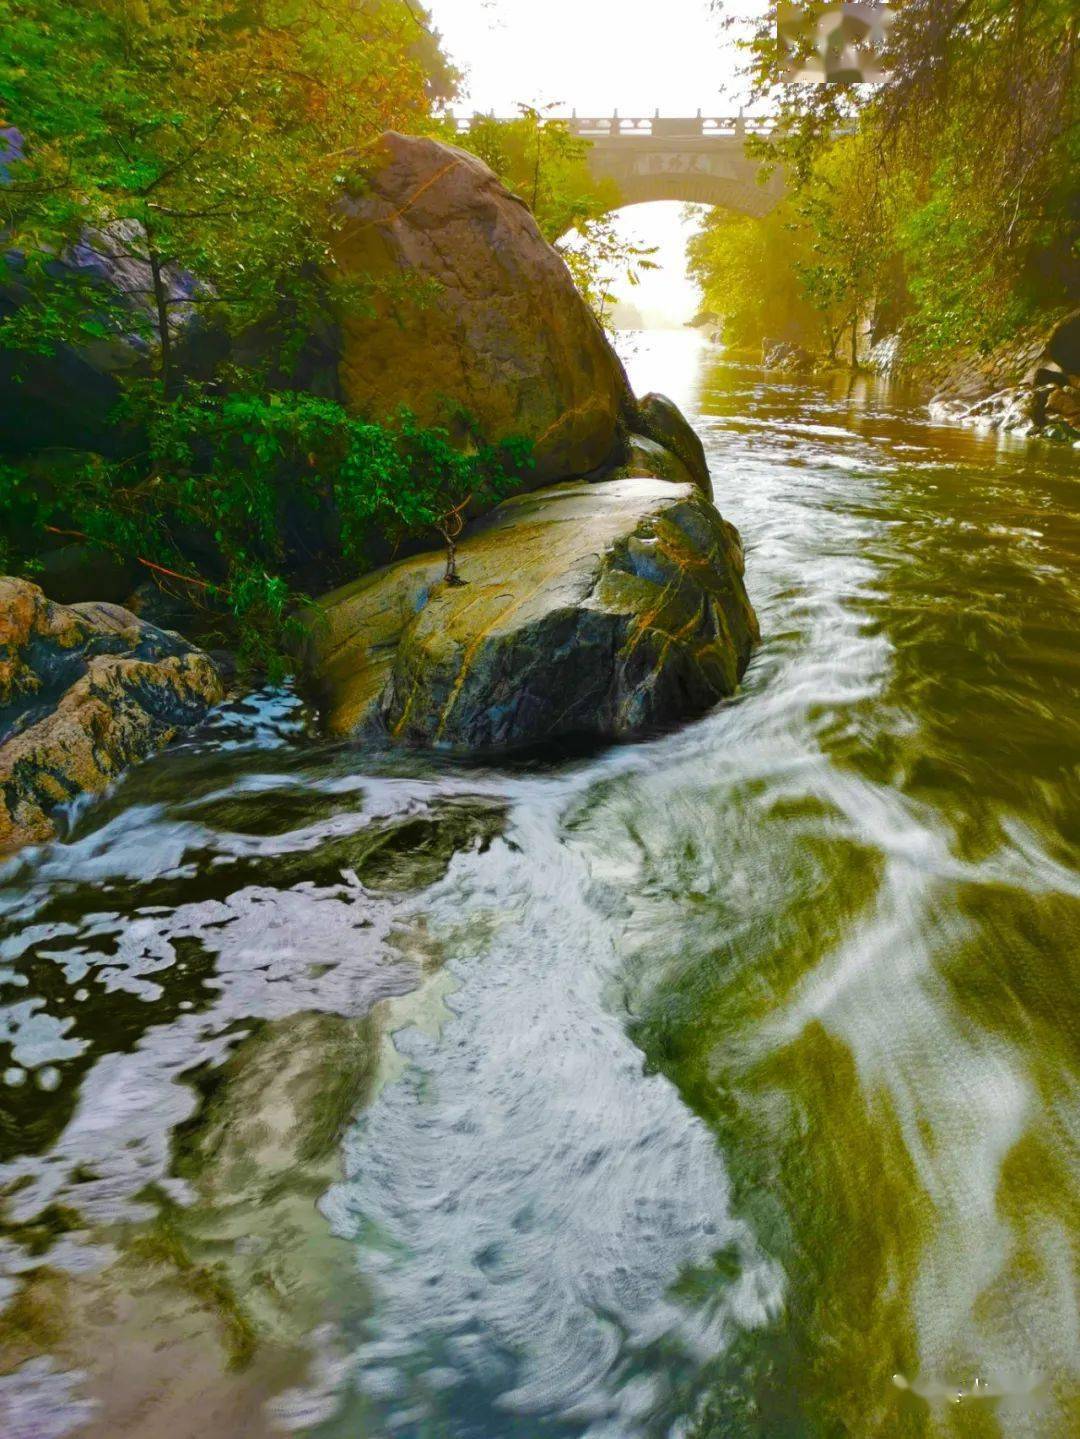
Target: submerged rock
476, 313
84, 691
599, 610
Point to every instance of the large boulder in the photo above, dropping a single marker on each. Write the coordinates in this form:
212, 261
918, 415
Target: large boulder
84, 691
600, 610
666, 425
646, 459
67, 396
473, 312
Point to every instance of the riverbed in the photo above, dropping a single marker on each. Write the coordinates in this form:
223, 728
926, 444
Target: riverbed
722, 1085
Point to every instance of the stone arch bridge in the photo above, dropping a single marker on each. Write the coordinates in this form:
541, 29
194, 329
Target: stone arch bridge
700, 160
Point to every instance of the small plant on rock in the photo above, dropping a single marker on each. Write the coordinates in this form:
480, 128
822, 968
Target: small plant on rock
444, 482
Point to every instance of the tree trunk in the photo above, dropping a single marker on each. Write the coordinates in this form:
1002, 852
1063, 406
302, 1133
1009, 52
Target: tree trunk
451, 576
450, 527
161, 305
855, 341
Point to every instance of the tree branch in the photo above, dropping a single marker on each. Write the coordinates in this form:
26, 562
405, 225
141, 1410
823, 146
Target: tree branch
150, 564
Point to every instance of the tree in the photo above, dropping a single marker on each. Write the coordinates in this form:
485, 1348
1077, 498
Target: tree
841, 206
970, 155
747, 271
541, 160
205, 137
444, 483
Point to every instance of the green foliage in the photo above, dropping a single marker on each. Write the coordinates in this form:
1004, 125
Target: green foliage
244, 483
746, 269
205, 137
958, 291
948, 196
842, 212
540, 160
210, 139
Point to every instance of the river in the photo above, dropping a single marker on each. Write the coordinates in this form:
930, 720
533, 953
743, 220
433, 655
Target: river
723, 1085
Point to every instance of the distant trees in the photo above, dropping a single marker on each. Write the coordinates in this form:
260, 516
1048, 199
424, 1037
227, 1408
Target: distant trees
956, 201
747, 271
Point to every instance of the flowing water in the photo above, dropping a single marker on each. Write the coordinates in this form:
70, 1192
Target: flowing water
724, 1085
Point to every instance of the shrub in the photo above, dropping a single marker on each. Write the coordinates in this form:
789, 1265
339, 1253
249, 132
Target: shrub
234, 493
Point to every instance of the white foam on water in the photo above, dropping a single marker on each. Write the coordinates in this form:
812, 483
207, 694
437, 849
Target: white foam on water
524, 1196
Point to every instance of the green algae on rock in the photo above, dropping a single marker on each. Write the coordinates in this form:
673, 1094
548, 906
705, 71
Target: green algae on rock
664, 423
600, 610
85, 690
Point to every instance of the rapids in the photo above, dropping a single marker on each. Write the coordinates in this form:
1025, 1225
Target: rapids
723, 1085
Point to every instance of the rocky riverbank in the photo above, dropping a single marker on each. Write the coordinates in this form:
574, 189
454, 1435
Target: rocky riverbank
1027, 387
605, 600
85, 690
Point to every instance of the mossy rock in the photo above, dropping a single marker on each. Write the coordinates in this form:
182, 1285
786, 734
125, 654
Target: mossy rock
85, 690
592, 610
665, 424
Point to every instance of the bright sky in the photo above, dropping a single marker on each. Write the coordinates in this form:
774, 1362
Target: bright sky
597, 56
592, 55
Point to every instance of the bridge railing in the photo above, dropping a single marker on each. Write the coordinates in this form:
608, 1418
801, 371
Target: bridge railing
631, 127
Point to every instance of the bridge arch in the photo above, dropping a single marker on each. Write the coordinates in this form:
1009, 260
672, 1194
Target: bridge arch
746, 198
697, 160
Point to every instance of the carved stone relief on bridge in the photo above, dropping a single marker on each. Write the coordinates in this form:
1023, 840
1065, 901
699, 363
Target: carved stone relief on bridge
684, 164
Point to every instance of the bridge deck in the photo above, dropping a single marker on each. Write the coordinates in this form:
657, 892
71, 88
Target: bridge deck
631, 127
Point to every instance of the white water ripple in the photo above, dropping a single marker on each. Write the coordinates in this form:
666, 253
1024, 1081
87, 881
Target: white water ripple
525, 1196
